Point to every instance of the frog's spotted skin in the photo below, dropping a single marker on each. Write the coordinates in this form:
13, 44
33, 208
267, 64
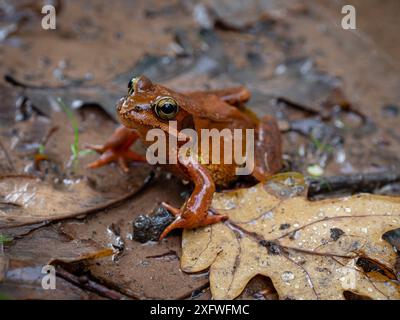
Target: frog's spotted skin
149, 105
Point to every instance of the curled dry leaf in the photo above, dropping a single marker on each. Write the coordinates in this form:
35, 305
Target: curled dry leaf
27, 200
310, 250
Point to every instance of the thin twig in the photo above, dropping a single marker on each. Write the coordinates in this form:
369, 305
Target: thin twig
48, 135
362, 182
296, 105
86, 283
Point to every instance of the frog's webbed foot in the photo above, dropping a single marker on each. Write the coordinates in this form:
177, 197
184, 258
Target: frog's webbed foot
117, 149
190, 221
122, 157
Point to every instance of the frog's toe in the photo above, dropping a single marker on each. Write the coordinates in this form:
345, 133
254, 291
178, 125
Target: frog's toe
178, 223
186, 223
171, 209
96, 147
117, 149
211, 219
106, 158
133, 156
123, 164
122, 157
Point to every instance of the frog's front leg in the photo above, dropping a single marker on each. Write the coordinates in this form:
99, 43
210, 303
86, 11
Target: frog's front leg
195, 212
268, 149
117, 148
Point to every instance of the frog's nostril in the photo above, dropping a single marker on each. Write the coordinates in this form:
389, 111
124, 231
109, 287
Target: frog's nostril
120, 104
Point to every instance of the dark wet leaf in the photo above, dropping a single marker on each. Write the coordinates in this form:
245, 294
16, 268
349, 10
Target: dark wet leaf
29, 255
393, 237
27, 200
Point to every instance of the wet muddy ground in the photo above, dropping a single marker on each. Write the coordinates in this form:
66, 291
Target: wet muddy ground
335, 93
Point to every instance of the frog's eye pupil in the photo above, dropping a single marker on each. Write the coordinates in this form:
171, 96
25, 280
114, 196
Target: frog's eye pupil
166, 108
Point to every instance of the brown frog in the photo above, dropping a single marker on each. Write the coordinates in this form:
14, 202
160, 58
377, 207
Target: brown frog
149, 105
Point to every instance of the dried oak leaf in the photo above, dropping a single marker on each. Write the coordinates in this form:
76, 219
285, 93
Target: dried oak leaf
310, 250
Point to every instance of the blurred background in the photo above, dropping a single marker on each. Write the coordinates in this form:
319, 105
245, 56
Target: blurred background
292, 55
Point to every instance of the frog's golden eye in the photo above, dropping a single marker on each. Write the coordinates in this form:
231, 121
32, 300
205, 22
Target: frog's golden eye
166, 108
131, 85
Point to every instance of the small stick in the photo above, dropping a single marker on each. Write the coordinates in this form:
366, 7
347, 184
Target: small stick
362, 182
296, 105
48, 135
90, 285
39, 157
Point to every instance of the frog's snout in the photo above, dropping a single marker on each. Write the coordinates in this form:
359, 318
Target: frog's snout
119, 104
122, 107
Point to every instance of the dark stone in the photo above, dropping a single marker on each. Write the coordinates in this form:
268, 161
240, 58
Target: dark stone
336, 233
284, 226
390, 110
149, 228
272, 247
255, 59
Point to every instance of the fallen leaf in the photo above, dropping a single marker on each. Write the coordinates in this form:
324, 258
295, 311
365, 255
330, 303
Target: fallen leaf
47, 246
309, 249
27, 200
30, 279
27, 256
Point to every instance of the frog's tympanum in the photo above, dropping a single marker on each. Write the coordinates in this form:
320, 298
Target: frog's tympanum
149, 105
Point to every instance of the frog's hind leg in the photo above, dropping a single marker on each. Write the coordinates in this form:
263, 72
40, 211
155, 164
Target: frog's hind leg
195, 213
183, 223
117, 149
236, 96
268, 153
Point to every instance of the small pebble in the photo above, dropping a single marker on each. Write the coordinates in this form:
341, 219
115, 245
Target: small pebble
390, 110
